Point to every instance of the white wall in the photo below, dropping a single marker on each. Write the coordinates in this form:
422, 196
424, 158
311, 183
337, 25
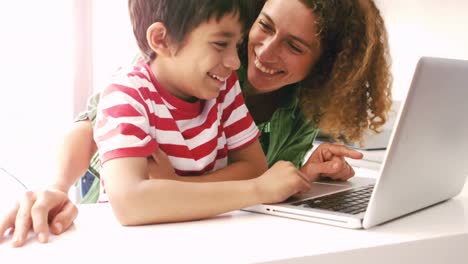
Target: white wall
423, 28
36, 63
37, 69
113, 42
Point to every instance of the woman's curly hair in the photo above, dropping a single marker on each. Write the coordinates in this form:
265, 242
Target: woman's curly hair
349, 89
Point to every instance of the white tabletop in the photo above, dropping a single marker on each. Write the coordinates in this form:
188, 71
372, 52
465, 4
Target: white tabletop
436, 235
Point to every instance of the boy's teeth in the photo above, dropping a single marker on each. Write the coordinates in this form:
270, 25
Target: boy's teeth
263, 68
217, 77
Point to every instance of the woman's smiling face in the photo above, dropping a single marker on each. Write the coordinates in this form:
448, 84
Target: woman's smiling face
283, 45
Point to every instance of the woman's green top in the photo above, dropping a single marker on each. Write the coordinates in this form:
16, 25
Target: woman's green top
287, 136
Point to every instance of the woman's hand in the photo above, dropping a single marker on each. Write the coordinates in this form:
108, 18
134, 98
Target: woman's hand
329, 160
37, 211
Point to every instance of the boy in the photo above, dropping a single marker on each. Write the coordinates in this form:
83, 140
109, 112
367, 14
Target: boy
184, 103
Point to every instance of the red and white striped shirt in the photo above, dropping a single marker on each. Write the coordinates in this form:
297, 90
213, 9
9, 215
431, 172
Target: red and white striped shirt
136, 116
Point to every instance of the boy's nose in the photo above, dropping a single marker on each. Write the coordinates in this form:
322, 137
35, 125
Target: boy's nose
232, 61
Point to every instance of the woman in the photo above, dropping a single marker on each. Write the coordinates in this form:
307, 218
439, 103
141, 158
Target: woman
315, 65
335, 75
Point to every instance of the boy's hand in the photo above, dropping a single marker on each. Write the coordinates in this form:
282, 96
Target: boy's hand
329, 160
280, 182
38, 210
159, 167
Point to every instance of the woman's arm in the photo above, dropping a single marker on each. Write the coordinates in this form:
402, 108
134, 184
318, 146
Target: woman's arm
39, 209
74, 155
329, 160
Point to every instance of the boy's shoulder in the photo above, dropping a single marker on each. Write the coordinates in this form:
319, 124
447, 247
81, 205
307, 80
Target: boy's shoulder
135, 75
130, 70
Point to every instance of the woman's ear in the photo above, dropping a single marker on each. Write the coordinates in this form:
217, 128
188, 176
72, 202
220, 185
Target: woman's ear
158, 39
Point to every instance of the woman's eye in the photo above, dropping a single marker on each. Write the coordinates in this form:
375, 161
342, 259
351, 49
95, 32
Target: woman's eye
295, 48
265, 26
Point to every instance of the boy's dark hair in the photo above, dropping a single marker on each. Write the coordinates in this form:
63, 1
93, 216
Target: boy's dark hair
181, 16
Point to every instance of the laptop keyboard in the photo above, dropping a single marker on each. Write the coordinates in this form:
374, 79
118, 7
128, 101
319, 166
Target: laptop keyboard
352, 201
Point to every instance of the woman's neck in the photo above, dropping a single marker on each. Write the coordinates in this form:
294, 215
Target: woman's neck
262, 105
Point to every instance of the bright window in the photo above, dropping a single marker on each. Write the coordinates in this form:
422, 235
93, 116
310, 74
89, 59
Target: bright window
36, 65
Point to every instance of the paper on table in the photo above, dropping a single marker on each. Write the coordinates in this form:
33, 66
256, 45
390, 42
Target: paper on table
10, 190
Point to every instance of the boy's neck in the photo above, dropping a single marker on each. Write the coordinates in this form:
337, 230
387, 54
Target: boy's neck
160, 73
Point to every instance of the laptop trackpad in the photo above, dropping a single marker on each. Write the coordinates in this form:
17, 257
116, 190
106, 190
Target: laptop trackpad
325, 186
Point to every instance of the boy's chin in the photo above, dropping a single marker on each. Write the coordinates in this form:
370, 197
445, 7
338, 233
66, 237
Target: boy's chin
210, 96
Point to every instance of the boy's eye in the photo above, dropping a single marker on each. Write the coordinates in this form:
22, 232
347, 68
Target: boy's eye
220, 44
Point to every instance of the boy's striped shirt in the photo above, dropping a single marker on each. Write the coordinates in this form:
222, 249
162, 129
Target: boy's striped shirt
136, 116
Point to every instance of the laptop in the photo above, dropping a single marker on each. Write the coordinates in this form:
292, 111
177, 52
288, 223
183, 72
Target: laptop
425, 162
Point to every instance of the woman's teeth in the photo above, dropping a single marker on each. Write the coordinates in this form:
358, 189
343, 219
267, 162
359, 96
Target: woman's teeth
264, 69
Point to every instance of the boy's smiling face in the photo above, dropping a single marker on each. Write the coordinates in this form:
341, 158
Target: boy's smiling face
200, 65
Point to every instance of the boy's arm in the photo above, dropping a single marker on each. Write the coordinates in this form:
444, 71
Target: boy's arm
137, 200
245, 163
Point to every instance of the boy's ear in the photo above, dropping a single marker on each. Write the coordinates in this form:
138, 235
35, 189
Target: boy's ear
158, 39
